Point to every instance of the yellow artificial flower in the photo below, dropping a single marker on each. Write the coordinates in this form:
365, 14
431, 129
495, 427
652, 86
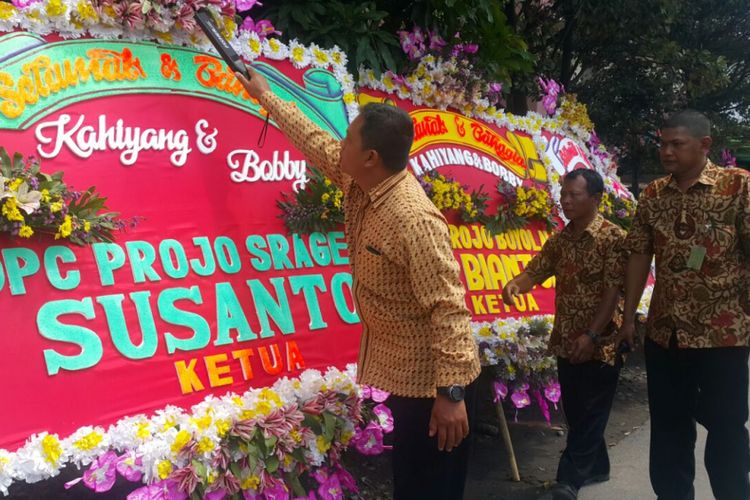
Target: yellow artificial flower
51, 448
86, 226
55, 8
298, 54
56, 206
7, 10
205, 445
325, 197
25, 231
15, 184
65, 229
10, 210
164, 469
322, 444
250, 482
183, 437
89, 441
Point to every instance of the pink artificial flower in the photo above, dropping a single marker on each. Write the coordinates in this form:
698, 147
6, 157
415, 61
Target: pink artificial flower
520, 399
276, 491
728, 159
385, 417
101, 476
262, 28
330, 489
187, 479
378, 395
130, 14
552, 392
347, 480
436, 41
496, 87
129, 466
471, 48
22, 4
552, 89
163, 490
243, 5
500, 389
542, 405
412, 43
369, 441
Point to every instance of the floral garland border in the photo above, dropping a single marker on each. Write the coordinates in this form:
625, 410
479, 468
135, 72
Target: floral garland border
156, 444
77, 18
422, 92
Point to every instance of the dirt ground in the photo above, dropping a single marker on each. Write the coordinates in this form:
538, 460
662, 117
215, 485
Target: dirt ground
537, 446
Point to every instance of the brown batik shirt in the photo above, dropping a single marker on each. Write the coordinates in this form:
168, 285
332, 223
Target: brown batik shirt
416, 332
583, 267
708, 306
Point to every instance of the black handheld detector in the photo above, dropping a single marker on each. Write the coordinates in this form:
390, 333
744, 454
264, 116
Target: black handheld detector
206, 22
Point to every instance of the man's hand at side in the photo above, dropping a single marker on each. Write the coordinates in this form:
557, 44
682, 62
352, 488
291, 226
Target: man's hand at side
256, 86
583, 350
449, 422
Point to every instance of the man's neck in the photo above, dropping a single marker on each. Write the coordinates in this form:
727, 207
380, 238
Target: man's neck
373, 180
689, 177
579, 225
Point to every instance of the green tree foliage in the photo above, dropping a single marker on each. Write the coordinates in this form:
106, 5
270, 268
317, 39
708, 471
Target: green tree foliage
633, 61
367, 31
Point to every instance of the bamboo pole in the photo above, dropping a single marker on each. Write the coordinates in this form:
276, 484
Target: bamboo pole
507, 441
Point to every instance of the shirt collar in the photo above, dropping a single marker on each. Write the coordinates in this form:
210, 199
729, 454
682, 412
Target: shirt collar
594, 226
708, 176
380, 193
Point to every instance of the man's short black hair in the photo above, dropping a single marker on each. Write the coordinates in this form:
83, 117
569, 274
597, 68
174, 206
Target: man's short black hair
389, 131
697, 124
594, 181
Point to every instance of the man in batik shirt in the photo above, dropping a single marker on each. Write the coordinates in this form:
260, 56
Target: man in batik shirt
587, 261
696, 221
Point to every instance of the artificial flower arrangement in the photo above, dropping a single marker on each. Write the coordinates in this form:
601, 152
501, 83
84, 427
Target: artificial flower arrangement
617, 209
34, 203
448, 194
315, 208
440, 75
516, 351
277, 442
519, 206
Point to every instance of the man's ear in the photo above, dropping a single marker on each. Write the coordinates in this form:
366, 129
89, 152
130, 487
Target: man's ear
706, 144
372, 158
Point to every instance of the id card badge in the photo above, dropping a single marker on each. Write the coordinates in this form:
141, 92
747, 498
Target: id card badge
697, 254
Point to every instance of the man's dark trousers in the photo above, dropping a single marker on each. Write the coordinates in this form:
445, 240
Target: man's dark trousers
708, 386
420, 470
588, 390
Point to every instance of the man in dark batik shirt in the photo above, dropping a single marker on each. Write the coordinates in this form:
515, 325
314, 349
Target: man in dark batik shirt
696, 222
587, 262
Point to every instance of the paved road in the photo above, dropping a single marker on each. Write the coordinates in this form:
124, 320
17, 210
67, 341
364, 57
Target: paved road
630, 479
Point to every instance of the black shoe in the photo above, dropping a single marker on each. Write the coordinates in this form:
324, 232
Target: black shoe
560, 491
601, 478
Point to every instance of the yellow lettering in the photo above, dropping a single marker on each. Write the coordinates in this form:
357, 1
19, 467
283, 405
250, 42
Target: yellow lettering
478, 305
215, 371
243, 355
470, 265
189, 380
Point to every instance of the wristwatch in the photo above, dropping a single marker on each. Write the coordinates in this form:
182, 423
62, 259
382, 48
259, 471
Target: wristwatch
455, 393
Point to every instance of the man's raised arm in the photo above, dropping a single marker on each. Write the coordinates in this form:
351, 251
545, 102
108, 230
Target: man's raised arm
321, 149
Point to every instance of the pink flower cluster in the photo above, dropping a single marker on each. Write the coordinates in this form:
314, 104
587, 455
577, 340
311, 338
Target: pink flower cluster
160, 15
551, 90
417, 42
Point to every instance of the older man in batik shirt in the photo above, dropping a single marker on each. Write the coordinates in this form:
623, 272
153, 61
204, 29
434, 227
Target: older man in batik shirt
587, 262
